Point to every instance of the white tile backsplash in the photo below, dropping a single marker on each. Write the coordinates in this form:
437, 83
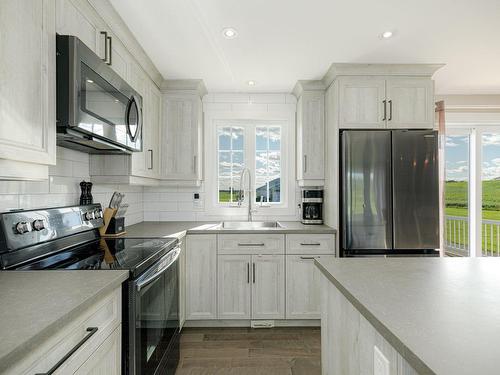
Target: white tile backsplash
63, 189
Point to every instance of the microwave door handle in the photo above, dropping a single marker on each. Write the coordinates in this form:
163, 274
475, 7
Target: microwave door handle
158, 273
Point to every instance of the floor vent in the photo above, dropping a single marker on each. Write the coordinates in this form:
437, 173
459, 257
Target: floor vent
262, 323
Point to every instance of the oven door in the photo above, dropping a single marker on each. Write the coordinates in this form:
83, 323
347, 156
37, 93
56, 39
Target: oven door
154, 319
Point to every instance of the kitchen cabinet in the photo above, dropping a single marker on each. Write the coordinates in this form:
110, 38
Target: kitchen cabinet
302, 287
182, 283
101, 353
27, 89
181, 131
268, 287
310, 134
386, 102
234, 286
201, 277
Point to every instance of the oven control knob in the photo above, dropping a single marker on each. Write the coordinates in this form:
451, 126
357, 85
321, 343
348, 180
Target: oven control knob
38, 225
23, 227
89, 216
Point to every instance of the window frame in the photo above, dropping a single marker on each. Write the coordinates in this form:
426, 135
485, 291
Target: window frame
250, 121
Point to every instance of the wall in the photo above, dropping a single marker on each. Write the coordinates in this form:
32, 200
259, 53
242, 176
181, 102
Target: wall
176, 203
62, 188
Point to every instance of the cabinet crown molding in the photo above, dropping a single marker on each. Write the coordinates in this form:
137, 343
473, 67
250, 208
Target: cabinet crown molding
348, 69
307, 85
189, 86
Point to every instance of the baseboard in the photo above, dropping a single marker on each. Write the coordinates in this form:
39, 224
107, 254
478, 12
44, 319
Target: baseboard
246, 323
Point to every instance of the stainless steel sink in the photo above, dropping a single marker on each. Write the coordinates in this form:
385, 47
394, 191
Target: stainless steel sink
246, 225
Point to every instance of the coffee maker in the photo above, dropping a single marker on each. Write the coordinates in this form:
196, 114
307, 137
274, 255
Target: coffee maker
312, 206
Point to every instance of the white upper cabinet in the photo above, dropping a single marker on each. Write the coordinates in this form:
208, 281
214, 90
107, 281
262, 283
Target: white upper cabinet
181, 131
27, 89
410, 103
361, 102
310, 133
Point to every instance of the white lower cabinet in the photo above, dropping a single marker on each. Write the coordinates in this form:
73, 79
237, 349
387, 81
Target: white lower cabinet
302, 287
201, 277
234, 278
182, 283
268, 287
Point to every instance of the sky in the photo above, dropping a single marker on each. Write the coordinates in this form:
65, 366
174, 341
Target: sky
457, 157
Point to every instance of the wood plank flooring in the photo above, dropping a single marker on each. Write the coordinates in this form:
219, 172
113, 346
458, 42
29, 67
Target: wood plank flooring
246, 351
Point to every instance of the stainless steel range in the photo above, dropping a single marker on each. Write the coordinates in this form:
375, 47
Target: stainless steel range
68, 238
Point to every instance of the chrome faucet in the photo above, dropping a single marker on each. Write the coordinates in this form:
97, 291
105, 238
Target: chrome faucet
242, 196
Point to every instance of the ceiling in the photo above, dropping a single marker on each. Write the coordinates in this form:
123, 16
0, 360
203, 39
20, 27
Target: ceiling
281, 41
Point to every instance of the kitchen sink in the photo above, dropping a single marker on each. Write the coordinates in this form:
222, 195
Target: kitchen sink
245, 225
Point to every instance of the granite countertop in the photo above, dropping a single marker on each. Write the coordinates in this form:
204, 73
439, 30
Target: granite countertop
180, 228
29, 313
441, 314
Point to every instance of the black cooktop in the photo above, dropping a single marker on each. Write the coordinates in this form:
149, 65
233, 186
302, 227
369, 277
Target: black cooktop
134, 254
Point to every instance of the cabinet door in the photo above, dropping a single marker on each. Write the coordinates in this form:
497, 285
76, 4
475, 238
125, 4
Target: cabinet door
107, 359
153, 131
361, 103
27, 82
234, 286
302, 287
268, 286
138, 80
119, 57
182, 283
310, 136
410, 103
181, 137
201, 281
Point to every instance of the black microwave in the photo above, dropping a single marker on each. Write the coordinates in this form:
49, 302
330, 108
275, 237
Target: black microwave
97, 110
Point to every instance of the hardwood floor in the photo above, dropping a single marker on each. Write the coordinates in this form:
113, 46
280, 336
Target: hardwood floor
246, 351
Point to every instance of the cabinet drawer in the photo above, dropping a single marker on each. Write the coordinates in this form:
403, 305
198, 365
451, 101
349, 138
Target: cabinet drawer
310, 244
105, 315
251, 244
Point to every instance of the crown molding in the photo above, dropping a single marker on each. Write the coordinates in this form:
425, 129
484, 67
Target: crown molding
307, 85
188, 86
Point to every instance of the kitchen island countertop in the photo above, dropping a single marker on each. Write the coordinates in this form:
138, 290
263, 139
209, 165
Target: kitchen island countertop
441, 314
36, 304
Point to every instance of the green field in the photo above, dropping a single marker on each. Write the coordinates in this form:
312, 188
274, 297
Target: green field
456, 200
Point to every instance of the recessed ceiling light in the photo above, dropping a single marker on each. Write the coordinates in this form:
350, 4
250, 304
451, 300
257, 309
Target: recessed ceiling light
387, 34
251, 83
229, 33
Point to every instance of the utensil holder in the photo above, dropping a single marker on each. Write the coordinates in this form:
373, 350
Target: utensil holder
108, 217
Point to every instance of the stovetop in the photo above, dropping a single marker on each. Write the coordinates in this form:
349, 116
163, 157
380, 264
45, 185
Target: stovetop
134, 254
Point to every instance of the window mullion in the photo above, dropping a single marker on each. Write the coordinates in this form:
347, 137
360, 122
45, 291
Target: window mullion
250, 156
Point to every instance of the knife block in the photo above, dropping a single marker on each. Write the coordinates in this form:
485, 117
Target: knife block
111, 224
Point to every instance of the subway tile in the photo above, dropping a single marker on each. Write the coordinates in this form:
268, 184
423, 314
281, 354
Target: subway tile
151, 197
62, 168
73, 155
80, 170
151, 216
9, 202
160, 206
177, 216
68, 185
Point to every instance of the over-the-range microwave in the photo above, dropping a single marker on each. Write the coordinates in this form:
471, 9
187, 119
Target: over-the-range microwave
97, 111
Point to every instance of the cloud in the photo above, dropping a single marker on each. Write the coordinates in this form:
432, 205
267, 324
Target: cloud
491, 170
491, 139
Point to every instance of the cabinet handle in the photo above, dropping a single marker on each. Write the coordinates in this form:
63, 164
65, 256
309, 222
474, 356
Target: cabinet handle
253, 271
248, 273
105, 33
110, 40
385, 110
390, 110
305, 164
150, 159
310, 244
308, 258
250, 244
92, 331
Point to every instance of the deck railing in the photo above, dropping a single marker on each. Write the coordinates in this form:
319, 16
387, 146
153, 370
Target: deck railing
457, 236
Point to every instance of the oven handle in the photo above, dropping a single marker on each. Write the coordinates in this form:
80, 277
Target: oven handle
161, 270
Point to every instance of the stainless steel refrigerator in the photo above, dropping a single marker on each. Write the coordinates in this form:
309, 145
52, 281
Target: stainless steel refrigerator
389, 192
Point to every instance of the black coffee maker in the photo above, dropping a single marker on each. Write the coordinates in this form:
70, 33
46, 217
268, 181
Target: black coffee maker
312, 206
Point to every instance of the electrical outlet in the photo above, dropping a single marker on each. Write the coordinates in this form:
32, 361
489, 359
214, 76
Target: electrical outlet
197, 202
381, 365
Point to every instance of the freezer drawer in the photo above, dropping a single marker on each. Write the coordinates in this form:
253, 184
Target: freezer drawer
415, 189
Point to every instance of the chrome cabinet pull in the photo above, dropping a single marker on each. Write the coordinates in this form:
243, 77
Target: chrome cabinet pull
92, 331
308, 258
195, 166
105, 59
253, 271
248, 273
390, 110
305, 164
251, 244
310, 244
110, 40
150, 159
385, 110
